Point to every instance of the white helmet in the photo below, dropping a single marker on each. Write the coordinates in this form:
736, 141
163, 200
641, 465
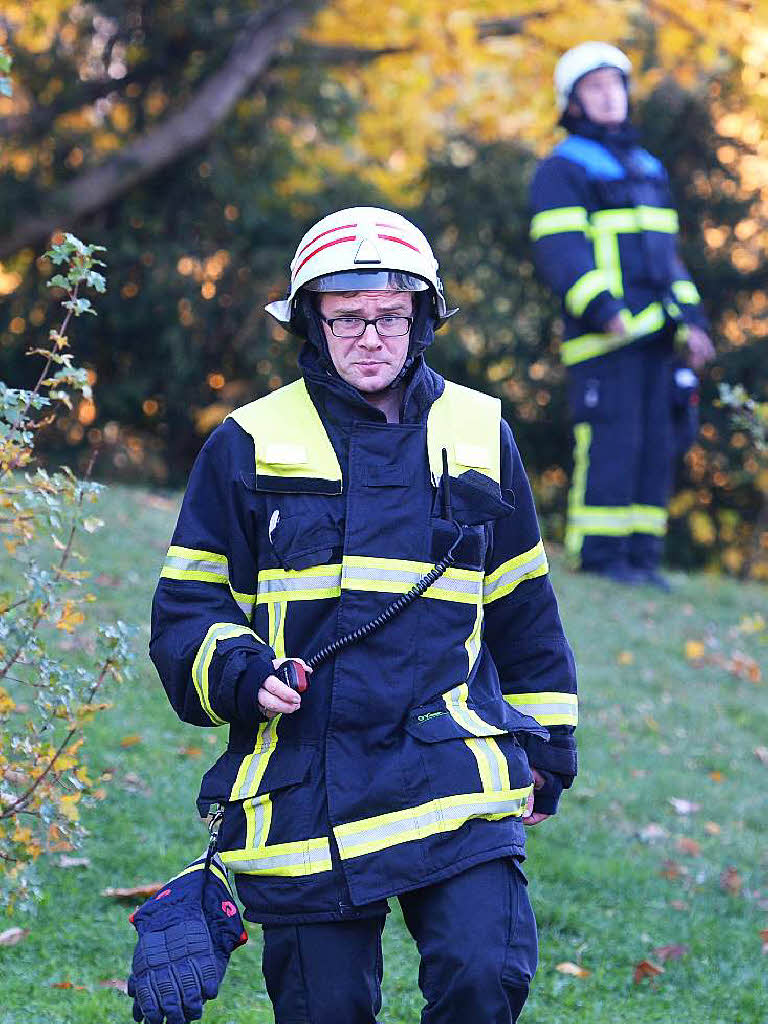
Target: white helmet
359, 249
580, 60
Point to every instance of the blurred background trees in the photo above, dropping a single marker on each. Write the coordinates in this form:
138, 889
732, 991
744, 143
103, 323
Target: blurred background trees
198, 140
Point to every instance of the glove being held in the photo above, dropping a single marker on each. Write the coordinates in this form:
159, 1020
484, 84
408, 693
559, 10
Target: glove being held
184, 945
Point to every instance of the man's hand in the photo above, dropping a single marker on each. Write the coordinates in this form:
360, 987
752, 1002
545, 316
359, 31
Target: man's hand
276, 697
700, 347
531, 817
616, 325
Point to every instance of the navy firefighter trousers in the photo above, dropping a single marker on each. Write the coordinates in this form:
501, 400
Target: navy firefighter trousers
476, 936
622, 410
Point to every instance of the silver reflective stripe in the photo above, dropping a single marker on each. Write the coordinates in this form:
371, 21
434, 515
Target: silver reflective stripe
320, 581
195, 564
258, 758
246, 607
446, 815
293, 859
564, 709
352, 574
516, 574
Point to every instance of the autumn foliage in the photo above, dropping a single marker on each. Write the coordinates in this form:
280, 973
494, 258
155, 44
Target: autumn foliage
53, 668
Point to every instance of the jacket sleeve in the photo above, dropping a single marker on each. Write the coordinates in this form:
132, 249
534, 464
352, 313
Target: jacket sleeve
210, 661
686, 296
525, 636
562, 249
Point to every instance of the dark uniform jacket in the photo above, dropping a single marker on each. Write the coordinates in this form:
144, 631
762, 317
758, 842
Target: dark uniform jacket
408, 761
604, 235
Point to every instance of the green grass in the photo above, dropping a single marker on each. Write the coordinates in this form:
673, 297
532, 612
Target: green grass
655, 728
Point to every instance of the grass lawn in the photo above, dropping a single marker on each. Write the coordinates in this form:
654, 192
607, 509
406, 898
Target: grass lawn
607, 889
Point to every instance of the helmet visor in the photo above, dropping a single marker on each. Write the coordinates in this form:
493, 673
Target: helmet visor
367, 281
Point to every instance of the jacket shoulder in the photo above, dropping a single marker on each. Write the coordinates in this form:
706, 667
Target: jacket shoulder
248, 415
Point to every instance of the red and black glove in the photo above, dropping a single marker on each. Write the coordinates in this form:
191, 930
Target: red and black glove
187, 932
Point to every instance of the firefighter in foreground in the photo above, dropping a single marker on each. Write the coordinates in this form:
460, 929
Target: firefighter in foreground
605, 239
415, 757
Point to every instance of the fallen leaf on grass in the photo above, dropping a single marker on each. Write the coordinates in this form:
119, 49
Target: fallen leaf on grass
73, 862
674, 952
155, 501
99, 794
639, 773
133, 783
133, 892
651, 832
646, 969
764, 937
694, 650
761, 753
130, 741
67, 984
625, 658
730, 880
119, 983
678, 904
712, 828
191, 752
717, 776
12, 936
672, 870
575, 970
689, 846
682, 806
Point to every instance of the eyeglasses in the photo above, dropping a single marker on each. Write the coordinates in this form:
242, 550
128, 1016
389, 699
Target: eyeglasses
354, 326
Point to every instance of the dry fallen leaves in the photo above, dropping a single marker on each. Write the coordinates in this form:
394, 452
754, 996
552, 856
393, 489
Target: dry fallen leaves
671, 869
761, 753
133, 892
688, 846
673, 952
712, 828
625, 658
119, 983
730, 880
67, 984
12, 936
575, 970
678, 904
646, 969
764, 938
130, 741
652, 831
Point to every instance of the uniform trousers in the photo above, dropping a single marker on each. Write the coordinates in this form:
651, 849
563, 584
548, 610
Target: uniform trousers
622, 409
476, 937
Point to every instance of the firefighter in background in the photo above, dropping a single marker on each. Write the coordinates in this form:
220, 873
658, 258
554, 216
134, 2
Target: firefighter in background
604, 235
412, 762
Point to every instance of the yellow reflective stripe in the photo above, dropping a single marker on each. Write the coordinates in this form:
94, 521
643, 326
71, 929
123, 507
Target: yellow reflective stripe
202, 663
244, 602
608, 261
289, 860
276, 611
619, 521
320, 581
514, 571
251, 771
455, 701
289, 437
574, 537
441, 815
588, 287
398, 576
258, 819
474, 641
562, 219
686, 291
467, 424
550, 707
200, 866
631, 219
194, 564
588, 346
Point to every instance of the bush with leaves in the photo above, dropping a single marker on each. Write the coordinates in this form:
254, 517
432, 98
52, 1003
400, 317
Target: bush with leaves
52, 669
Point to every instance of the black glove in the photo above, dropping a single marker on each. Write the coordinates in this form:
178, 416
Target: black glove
186, 935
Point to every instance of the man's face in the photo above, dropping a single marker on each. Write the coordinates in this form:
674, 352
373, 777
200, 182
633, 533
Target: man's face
371, 362
603, 96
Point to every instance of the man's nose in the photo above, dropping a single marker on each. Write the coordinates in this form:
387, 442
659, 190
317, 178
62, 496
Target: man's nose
370, 337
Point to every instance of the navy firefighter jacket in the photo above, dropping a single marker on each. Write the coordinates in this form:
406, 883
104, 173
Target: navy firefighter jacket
306, 514
605, 236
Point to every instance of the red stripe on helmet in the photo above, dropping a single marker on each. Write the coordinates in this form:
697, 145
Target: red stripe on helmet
393, 238
325, 245
341, 227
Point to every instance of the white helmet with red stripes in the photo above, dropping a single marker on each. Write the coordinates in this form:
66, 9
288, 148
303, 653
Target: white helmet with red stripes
362, 249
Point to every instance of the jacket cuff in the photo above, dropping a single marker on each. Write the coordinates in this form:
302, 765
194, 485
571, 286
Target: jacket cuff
600, 310
549, 756
546, 799
236, 675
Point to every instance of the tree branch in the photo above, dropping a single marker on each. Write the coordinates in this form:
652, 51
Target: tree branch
176, 136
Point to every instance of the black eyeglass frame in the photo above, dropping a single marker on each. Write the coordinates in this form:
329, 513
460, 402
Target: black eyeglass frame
365, 323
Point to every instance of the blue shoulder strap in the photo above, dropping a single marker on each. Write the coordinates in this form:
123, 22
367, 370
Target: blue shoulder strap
600, 163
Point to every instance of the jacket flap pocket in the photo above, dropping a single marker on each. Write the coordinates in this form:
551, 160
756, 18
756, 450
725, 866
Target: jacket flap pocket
441, 721
239, 775
303, 541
